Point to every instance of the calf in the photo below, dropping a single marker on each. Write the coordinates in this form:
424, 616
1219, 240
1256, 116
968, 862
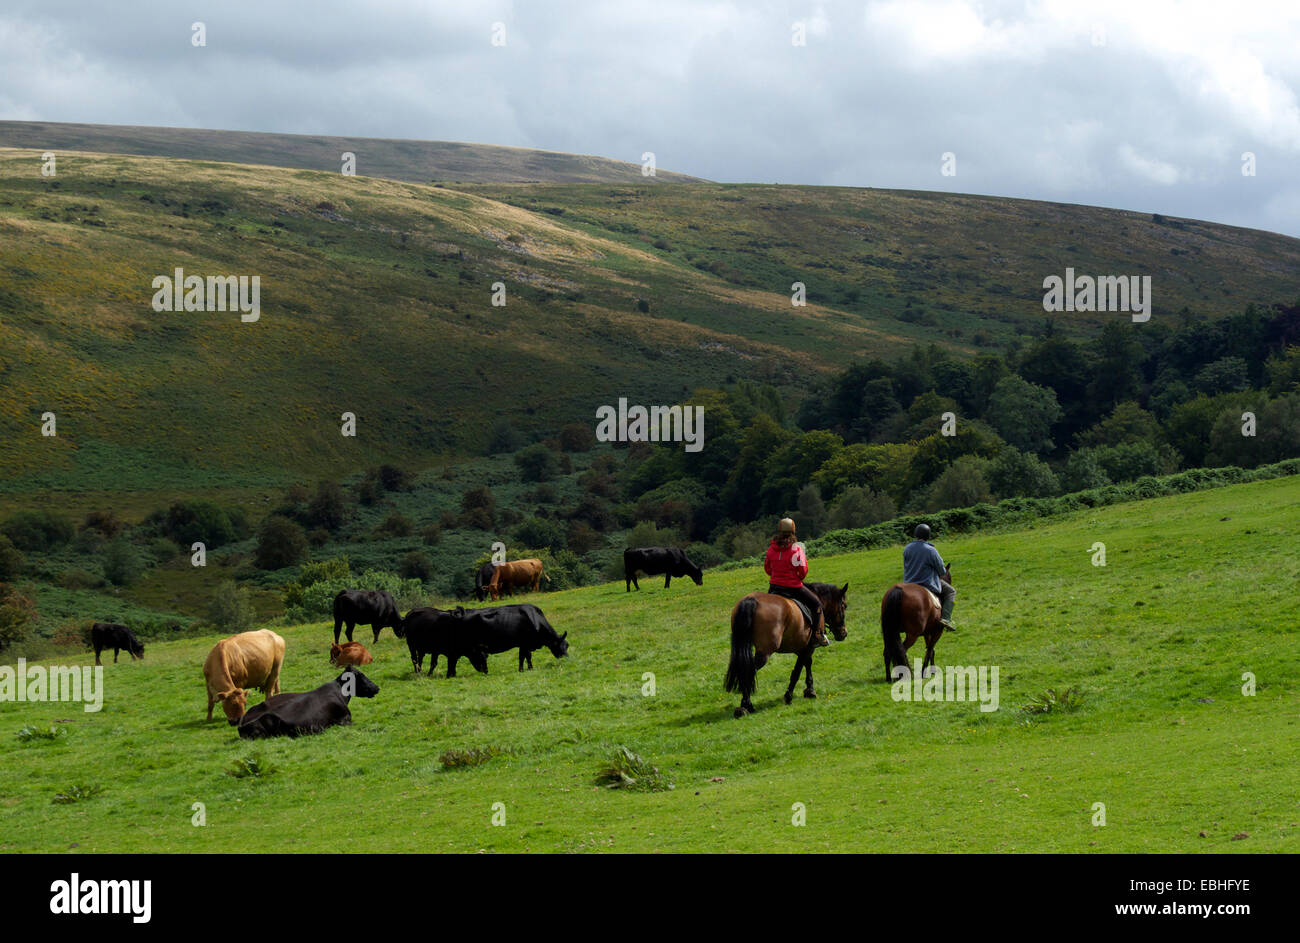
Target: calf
111, 635
349, 653
652, 561
247, 660
293, 715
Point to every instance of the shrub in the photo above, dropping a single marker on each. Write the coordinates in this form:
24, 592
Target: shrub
395, 525
12, 560
392, 478
1020, 473
628, 770
103, 522
328, 509
577, 437
416, 565
188, 521
464, 759
537, 463
36, 531
123, 563
540, 532
281, 543
231, 608
431, 534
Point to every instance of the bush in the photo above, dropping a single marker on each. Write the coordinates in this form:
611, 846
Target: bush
316, 601
431, 534
11, 560
540, 532
73, 635
328, 510
504, 439
395, 525
231, 609
961, 485
281, 543
123, 563
1083, 472
189, 521
37, 531
17, 616
577, 437
537, 463
392, 478
416, 565
103, 522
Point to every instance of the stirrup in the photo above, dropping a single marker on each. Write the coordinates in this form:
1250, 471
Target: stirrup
947, 624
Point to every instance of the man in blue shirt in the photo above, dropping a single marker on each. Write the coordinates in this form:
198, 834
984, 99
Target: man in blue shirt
922, 564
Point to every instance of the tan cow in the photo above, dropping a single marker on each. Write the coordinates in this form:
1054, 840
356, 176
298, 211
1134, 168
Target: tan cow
516, 573
247, 660
350, 653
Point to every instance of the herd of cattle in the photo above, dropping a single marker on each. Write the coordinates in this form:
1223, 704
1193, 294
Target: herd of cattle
249, 660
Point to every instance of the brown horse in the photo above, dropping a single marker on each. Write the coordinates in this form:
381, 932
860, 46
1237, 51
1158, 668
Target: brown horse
910, 608
763, 624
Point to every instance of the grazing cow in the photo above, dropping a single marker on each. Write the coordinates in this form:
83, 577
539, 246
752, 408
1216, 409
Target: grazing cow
516, 573
293, 715
349, 653
481, 580
428, 633
247, 660
655, 560
373, 607
483, 632
111, 635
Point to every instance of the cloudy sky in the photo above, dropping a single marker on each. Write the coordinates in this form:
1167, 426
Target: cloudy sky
1141, 104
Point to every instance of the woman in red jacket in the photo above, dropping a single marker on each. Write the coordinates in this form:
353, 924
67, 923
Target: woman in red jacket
786, 565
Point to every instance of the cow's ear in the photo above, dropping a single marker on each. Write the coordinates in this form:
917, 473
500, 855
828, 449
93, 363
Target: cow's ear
565, 635
845, 589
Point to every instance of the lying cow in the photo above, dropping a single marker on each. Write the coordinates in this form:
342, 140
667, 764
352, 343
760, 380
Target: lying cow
427, 633
655, 560
373, 607
481, 580
349, 653
293, 715
247, 660
481, 632
111, 635
516, 573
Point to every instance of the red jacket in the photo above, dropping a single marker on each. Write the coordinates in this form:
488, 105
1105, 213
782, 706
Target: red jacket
786, 567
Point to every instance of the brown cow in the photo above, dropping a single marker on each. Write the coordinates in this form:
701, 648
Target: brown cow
516, 573
247, 660
350, 653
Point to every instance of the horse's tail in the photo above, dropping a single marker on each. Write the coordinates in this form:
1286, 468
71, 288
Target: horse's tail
740, 670
891, 623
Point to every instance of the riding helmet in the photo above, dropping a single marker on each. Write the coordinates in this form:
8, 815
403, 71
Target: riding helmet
922, 532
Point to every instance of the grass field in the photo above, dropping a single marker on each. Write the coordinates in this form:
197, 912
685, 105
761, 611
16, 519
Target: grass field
1197, 590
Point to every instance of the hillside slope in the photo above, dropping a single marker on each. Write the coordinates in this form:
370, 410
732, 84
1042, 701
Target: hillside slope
376, 300
1157, 641
393, 158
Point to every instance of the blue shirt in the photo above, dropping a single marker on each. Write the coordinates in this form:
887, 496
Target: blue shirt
922, 564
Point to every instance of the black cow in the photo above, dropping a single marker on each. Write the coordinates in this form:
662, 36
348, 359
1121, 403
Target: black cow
293, 715
477, 633
655, 560
428, 633
481, 580
117, 637
373, 607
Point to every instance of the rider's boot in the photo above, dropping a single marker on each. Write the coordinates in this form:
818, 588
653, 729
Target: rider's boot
945, 615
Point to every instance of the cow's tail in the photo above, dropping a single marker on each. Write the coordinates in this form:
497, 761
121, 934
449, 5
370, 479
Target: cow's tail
891, 623
545, 577
740, 670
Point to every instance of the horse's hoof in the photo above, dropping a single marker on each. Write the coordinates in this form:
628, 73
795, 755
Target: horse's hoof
741, 712
810, 693
789, 697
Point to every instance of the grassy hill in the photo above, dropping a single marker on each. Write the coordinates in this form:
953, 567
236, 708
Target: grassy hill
376, 300
1198, 589
393, 158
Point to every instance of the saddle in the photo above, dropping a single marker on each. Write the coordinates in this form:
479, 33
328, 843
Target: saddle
808, 616
929, 592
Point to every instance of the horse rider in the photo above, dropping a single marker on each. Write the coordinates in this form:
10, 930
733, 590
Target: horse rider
922, 564
786, 564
